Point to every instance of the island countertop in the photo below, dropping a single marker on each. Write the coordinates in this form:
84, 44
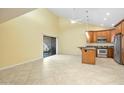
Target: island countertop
99, 44
87, 48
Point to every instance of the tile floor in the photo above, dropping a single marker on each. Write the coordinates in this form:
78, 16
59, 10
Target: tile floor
64, 70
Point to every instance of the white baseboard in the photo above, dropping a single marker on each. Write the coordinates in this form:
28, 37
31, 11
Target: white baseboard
24, 62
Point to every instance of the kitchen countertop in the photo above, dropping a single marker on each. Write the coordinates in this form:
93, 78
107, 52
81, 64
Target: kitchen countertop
87, 48
99, 44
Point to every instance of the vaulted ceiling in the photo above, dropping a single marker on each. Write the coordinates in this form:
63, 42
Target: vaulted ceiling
106, 17
10, 13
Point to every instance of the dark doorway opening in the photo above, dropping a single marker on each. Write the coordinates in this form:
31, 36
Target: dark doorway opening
49, 46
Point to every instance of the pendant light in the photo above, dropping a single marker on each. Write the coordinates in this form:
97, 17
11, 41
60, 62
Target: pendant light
87, 24
87, 20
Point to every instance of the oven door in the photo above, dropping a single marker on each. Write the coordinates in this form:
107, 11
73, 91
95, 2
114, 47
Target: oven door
102, 51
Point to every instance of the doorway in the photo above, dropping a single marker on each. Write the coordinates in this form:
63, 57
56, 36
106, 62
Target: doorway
49, 46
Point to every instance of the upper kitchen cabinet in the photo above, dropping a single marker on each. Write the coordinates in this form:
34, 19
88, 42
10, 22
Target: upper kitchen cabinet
105, 34
89, 37
123, 27
119, 28
92, 36
113, 32
102, 33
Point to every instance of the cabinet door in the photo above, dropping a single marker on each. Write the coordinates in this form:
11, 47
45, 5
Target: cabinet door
113, 32
108, 36
104, 34
119, 28
94, 37
99, 34
89, 37
110, 53
123, 27
88, 56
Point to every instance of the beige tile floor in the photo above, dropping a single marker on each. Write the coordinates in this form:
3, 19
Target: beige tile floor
64, 69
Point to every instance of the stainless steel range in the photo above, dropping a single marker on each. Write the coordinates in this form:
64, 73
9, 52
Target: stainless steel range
102, 52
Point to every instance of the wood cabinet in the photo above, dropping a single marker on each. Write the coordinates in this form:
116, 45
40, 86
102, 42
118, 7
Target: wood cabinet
119, 28
113, 32
123, 27
109, 34
93, 35
88, 56
89, 36
102, 33
110, 53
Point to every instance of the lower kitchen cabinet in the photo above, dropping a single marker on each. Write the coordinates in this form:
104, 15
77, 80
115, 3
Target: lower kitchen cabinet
88, 56
110, 52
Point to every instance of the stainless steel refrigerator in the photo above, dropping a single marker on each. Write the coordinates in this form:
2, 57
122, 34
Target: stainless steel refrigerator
119, 48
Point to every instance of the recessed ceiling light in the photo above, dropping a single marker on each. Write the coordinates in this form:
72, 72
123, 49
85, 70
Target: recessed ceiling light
107, 13
105, 19
72, 21
113, 24
102, 24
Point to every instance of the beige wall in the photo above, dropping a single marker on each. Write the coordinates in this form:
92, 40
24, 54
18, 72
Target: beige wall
71, 36
21, 38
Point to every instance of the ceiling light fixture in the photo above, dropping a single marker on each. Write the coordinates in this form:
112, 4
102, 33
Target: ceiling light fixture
102, 24
113, 24
73, 17
72, 21
105, 19
87, 20
107, 13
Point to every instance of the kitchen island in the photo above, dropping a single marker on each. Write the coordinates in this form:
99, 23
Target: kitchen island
92, 50
88, 55
105, 50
